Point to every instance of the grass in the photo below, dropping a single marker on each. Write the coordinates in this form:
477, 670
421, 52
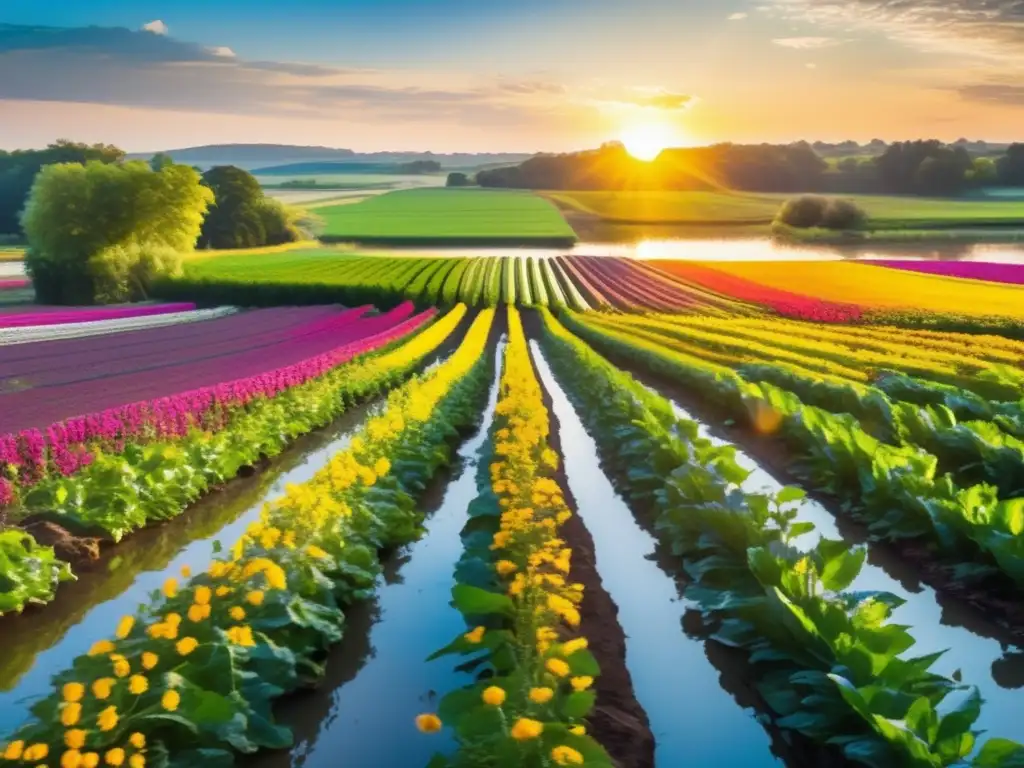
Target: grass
884, 212
453, 216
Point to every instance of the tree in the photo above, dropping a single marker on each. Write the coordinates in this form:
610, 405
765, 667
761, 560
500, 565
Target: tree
19, 168
102, 233
457, 179
1010, 167
242, 217
160, 160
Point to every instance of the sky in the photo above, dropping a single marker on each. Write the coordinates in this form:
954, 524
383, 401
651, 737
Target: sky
507, 75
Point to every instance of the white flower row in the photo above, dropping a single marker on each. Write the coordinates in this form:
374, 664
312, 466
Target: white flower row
32, 333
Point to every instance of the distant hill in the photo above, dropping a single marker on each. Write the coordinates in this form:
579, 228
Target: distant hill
353, 166
253, 156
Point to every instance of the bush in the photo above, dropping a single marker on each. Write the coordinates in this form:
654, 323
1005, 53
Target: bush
456, 179
809, 211
127, 272
242, 216
280, 224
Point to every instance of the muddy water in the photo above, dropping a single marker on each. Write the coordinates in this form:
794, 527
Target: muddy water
378, 678
995, 667
695, 721
44, 641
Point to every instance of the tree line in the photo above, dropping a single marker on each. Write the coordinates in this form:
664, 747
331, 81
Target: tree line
102, 229
923, 167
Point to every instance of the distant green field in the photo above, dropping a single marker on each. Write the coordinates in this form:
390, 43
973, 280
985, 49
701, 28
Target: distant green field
447, 215
884, 212
354, 180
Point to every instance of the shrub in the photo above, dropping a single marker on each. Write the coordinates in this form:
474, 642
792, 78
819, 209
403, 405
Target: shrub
809, 211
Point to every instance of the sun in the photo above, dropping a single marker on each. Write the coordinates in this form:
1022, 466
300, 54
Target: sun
644, 141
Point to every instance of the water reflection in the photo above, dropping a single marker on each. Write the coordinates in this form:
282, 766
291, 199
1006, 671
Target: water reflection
739, 249
695, 719
377, 678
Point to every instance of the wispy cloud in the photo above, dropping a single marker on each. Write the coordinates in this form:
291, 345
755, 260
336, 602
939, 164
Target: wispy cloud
992, 29
994, 93
737, 16
156, 26
807, 43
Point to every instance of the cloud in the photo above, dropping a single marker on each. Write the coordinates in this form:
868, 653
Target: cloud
994, 93
806, 43
992, 29
811, 65
156, 26
121, 67
737, 16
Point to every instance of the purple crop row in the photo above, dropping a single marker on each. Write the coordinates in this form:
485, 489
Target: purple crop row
30, 406
261, 331
14, 282
972, 270
629, 287
88, 314
65, 447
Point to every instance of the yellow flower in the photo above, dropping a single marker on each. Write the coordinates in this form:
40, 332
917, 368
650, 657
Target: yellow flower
541, 695
137, 761
557, 667
70, 714
475, 636
124, 627
138, 740
564, 755
108, 719
138, 685
546, 634
581, 683
170, 700
526, 729
75, 738
578, 730
121, 666
170, 590
186, 572
223, 591
172, 619
14, 750
90, 760
101, 688
578, 644
505, 567
255, 597
114, 757
494, 696
241, 636
198, 612
382, 466
186, 645
237, 613
202, 596
72, 758
36, 752
101, 648
314, 551
149, 660
73, 691
428, 723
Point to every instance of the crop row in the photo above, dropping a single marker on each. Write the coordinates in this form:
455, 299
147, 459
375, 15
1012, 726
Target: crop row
33, 317
897, 489
191, 678
511, 582
288, 278
33, 334
201, 442
827, 661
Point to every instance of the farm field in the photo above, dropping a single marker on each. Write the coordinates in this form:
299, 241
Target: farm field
231, 520
885, 213
447, 216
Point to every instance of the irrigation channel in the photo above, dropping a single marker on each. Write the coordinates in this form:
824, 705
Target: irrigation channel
378, 678
979, 650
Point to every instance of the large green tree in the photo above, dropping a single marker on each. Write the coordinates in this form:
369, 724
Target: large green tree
103, 233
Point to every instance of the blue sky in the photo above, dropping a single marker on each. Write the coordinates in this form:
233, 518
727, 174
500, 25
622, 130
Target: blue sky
524, 75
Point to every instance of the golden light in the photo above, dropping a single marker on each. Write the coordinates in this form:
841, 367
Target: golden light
644, 141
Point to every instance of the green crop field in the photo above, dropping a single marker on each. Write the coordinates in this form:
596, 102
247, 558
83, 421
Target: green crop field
434, 215
884, 212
